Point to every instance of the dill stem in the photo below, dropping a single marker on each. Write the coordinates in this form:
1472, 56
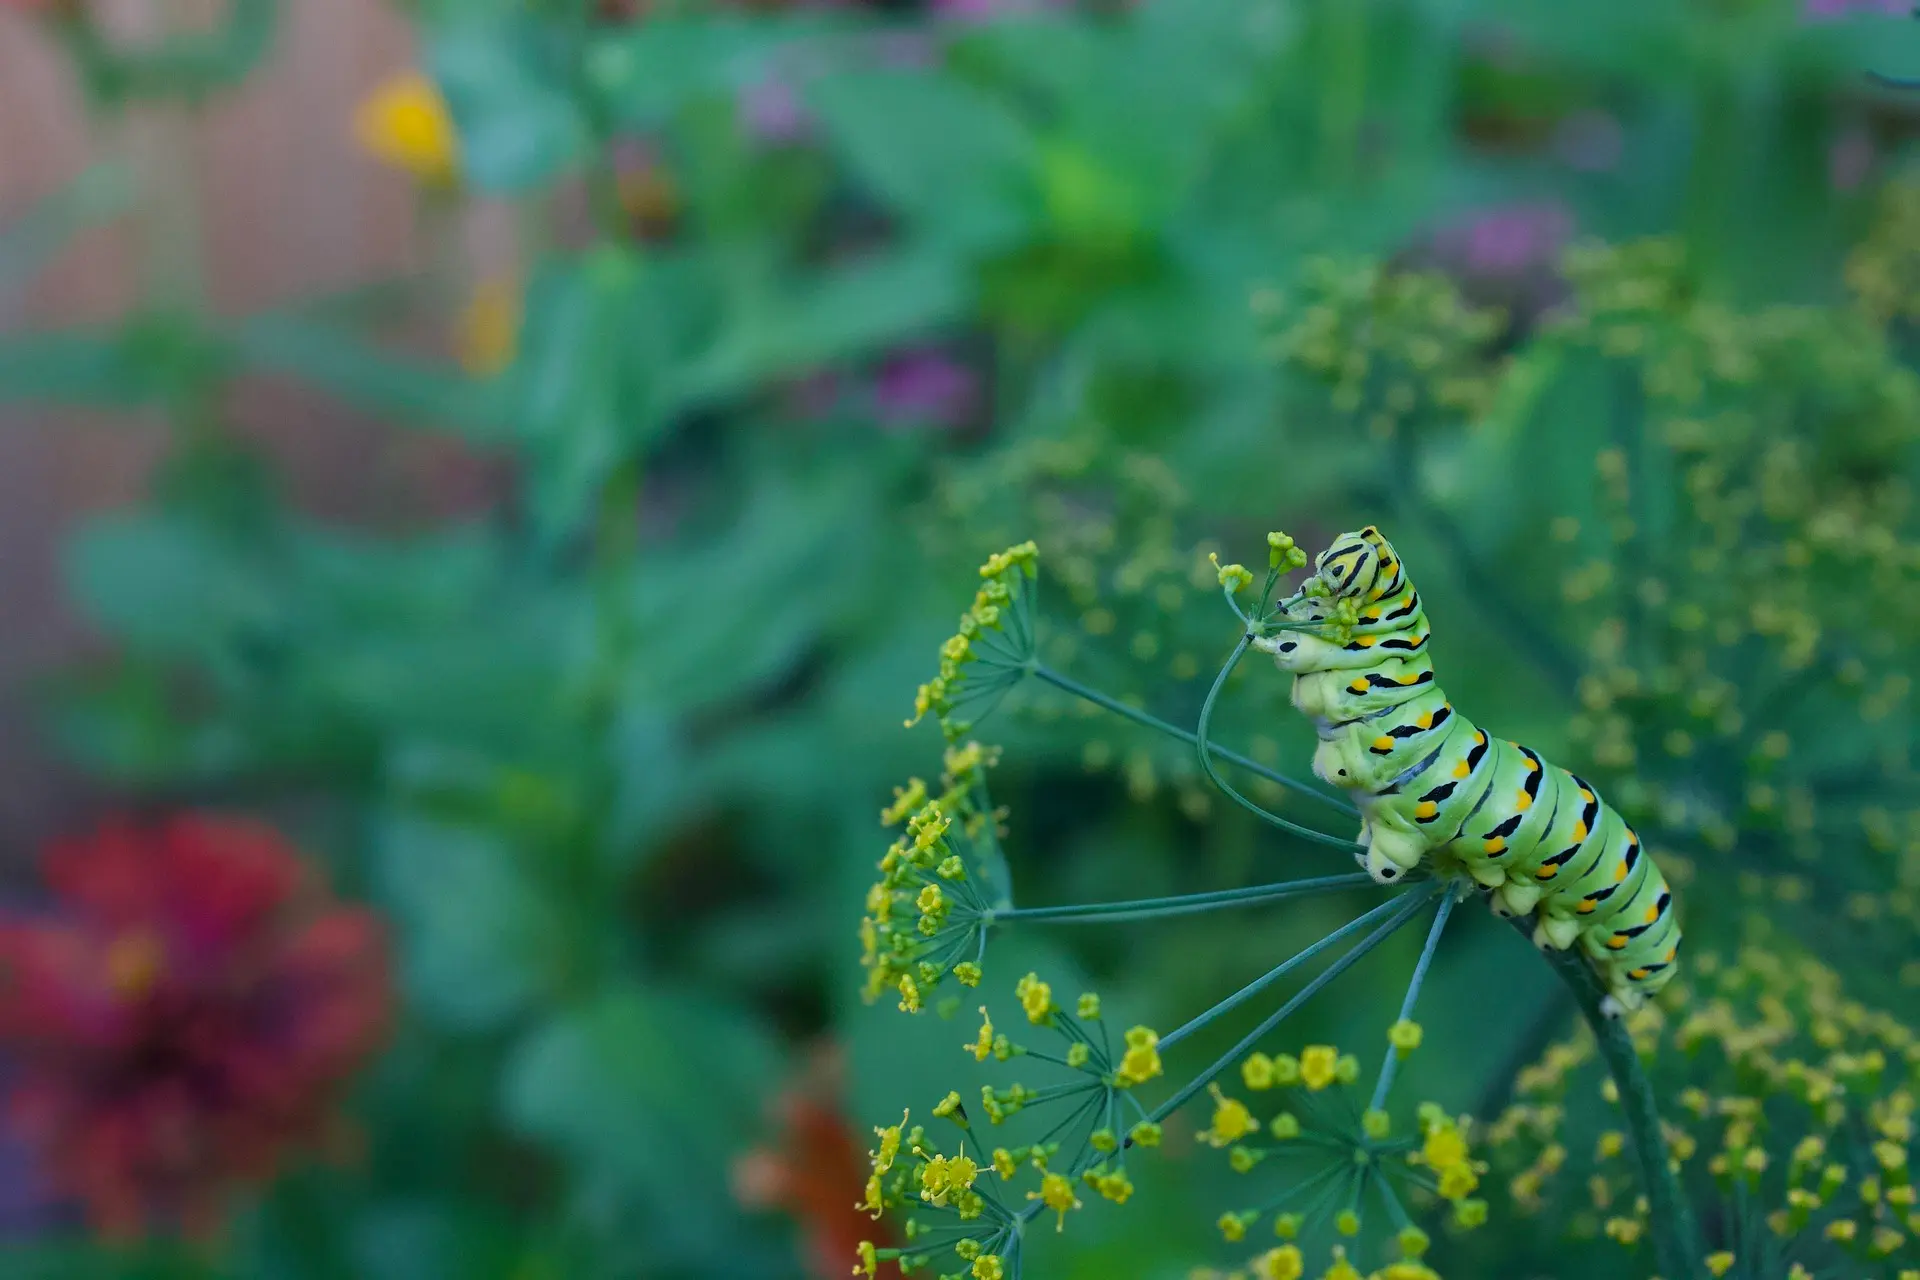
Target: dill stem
1677, 1246
1119, 708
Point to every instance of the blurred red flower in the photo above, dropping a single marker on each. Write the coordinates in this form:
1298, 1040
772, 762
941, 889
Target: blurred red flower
185, 1016
815, 1168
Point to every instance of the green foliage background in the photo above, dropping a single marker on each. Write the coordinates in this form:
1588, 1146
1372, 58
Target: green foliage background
610, 757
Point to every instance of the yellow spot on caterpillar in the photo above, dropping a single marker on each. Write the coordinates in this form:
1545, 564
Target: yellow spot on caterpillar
1579, 832
1412, 679
1425, 721
1587, 905
1586, 795
1426, 809
1461, 770
1498, 844
1653, 913
1620, 873
1371, 613
1358, 686
1636, 974
1479, 738
1671, 952
1523, 801
1383, 744
1533, 766
1365, 642
1617, 942
1547, 872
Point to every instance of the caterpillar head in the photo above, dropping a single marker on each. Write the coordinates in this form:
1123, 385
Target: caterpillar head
1357, 566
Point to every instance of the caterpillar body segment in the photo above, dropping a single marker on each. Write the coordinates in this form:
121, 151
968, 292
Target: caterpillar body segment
1434, 788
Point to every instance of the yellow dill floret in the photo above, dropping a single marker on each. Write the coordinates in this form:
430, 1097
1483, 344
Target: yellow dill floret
1413, 1242
1376, 1124
1341, 1269
1406, 1269
1113, 1185
1036, 998
1282, 554
1146, 1134
1233, 1226
1347, 1222
1087, 1009
1626, 1231
907, 800
889, 1148
1141, 1061
1234, 578
1404, 1036
1056, 1192
866, 1259
944, 1177
1318, 1063
989, 1267
1257, 1072
1280, 1263
1720, 1263
1232, 1120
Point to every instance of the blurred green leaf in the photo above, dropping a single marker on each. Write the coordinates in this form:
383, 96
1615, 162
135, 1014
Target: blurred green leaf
951, 160
650, 1092
504, 83
480, 939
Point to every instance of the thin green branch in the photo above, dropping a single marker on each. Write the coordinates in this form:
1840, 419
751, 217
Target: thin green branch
1186, 903
1392, 1063
1204, 752
1409, 903
1280, 971
1119, 708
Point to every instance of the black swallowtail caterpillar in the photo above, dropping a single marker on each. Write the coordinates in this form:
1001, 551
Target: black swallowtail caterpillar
1432, 787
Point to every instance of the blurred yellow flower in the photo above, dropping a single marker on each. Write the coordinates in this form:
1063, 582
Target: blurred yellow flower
488, 334
406, 124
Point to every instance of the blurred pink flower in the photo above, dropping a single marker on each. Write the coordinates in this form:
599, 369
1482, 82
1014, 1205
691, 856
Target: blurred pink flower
925, 387
187, 1014
1505, 240
771, 112
1850, 158
1830, 10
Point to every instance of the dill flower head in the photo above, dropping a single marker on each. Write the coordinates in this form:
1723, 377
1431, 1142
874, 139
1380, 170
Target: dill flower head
941, 880
1395, 350
990, 651
1326, 1164
965, 1190
185, 1017
1791, 1120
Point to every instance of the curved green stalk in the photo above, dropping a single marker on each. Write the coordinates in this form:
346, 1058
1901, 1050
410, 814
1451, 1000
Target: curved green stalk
1205, 752
1069, 685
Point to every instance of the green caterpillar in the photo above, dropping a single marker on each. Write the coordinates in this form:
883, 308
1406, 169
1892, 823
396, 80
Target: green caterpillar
1434, 788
